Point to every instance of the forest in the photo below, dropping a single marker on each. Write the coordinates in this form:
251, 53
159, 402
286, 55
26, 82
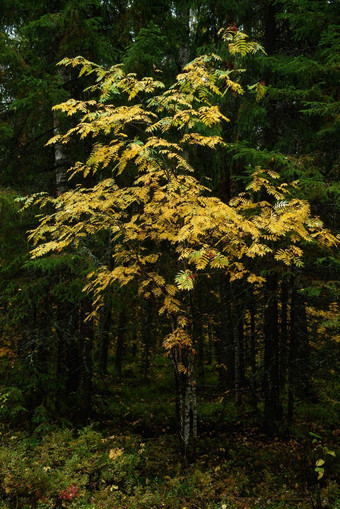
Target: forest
169, 254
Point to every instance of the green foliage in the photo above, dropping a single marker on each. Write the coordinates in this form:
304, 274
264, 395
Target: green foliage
11, 404
322, 451
145, 53
90, 469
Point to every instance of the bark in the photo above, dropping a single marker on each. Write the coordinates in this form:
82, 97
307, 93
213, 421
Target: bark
252, 334
146, 338
186, 402
68, 351
283, 333
210, 344
106, 321
252, 350
291, 367
238, 310
271, 381
270, 44
104, 339
301, 371
60, 159
239, 359
86, 344
184, 47
120, 341
197, 333
270, 35
224, 344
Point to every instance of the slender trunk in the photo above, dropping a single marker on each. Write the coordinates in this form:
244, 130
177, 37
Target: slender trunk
291, 399
210, 343
271, 382
69, 350
225, 337
146, 338
184, 47
104, 339
86, 344
238, 312
106, 318
252, 335
270, 45
186, 402
197, 333
300, 358
252, 357
60, 159
239, 357
291, 374
120, 341
270, 31
283, 333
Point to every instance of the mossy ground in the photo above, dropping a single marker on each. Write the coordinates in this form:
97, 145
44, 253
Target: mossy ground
128, 457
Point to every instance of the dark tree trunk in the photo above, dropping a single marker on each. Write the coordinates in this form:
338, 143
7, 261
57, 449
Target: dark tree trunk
270, 34
184, 46
146, 338
197, 333
252, 355
271, 381
210, 344
69, 362
86, 344
239, 354
104, 338
120, 341
252, 350
301, 372
225, 337
283, 334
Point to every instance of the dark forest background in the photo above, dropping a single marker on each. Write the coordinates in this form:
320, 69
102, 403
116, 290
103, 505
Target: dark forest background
88, 408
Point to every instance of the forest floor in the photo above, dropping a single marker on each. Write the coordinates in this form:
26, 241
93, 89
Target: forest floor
127, 456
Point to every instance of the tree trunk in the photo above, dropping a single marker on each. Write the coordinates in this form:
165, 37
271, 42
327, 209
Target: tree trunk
184, 47
252, 357
270, 33
252, 333
271, 381
86, 344
60, 159
120, 341
186, 403
239, 356
210, 344
197, 332
225, 337
146, 338
301, 378
104, 338
69, 359
283, 334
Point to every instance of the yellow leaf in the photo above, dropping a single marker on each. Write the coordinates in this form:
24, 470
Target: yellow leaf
115, 453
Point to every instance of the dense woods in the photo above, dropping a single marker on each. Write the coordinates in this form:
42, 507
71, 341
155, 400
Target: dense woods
169, 266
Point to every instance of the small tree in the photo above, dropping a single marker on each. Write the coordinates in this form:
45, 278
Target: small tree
164, 226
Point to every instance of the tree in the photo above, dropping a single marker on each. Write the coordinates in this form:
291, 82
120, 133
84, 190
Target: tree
157, 213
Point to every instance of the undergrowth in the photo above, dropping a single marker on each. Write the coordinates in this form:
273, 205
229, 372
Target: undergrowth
128, 455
